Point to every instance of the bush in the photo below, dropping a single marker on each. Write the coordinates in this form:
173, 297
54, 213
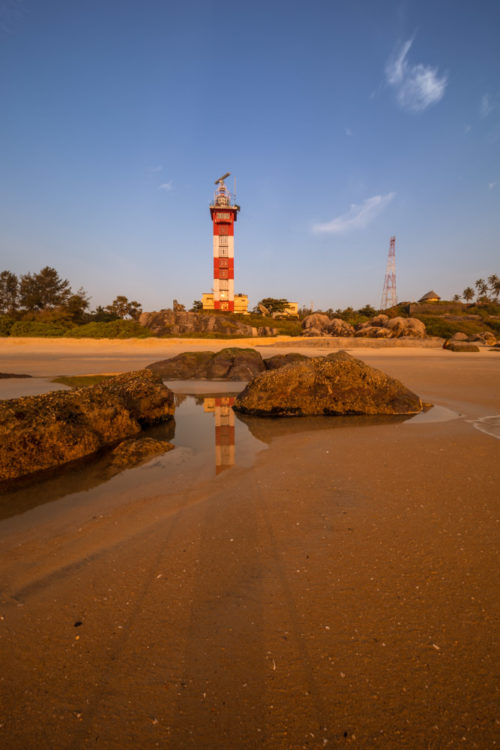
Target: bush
436, 326
6, 324
115, 329
37, 328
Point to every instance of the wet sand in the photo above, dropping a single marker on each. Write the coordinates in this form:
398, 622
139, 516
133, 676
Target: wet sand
340, 592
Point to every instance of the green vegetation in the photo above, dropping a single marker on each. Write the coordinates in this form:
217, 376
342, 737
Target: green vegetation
43, 304
37, 328
272, 305
284, 326
441, 326
80, 381
115, 329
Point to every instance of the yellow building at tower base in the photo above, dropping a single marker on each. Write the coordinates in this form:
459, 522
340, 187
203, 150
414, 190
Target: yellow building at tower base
240, 302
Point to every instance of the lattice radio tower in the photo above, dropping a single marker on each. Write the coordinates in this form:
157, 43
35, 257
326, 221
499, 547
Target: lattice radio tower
389, 297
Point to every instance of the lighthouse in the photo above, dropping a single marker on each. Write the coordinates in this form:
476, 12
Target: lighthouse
224, 214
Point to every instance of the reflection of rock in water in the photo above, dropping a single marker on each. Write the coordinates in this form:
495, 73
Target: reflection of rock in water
266, 429
222, 409
22, 495
136, 451
179, 398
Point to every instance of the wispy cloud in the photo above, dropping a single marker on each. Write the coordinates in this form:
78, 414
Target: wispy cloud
157, 168
488, 104
357, 217
417, 86
492, 185
166, 185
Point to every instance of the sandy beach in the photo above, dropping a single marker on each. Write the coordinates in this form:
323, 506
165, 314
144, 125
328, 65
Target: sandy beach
339, 591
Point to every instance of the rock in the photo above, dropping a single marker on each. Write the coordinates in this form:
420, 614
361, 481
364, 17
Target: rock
485, 337
380, 321
460, 346
406, 327
280, 360
233, 363
178, 322
369, 331
339, 327
459, 336
314, 332
41, 432
263, 309
335, 385
134, 452
318, 321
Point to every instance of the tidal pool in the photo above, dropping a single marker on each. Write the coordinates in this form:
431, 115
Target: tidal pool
210, 438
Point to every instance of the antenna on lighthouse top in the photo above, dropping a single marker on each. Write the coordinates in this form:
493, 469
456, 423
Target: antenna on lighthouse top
221, 179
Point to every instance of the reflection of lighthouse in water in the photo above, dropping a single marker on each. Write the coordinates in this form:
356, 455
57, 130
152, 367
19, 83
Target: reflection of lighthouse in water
224, 430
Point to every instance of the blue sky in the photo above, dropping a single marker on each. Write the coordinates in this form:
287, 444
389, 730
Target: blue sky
343, 122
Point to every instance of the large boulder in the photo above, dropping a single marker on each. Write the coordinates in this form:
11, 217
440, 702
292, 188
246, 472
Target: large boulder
381, 326
280, 360
178, 322
41, 432
335, 385
366, 330
232, 363
339, 327
485, 337
460, 346
411, 327
318, 322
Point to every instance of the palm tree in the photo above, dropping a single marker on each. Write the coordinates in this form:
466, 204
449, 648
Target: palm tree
494, 284
468, 294
482, 288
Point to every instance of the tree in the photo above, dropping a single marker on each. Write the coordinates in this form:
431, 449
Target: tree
197, 306
43, 290
76, 305
482, 288
9, 290
494, 285
121, 307
456, 298
274, 305
368, 310
468, 294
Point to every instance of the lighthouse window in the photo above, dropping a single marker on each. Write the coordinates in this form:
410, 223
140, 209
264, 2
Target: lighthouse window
223, 229
223, 252
223, 263
223, 285
223, 241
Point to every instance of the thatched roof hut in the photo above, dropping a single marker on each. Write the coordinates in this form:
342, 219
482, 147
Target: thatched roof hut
430, 297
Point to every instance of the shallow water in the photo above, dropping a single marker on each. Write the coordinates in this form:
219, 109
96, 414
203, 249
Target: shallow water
489, 425
209, 438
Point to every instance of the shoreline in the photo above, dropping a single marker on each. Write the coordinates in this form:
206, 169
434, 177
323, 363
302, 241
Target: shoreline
43, 357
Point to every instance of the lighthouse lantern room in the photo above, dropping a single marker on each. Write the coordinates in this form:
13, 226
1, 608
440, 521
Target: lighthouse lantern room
224, 213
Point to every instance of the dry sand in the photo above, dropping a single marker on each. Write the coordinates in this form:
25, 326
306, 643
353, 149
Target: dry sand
341, 592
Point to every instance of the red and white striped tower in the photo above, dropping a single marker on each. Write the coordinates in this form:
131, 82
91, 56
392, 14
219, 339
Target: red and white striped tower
224, 213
